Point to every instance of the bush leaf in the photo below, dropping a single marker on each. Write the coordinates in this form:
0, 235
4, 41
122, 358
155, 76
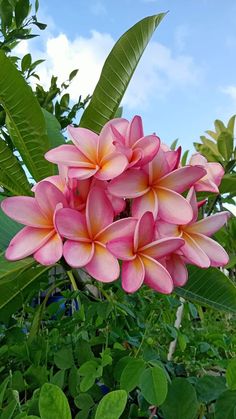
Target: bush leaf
112, 405
53, 403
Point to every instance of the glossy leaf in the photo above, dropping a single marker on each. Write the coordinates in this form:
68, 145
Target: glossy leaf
53, 403
112, 405
153, 385
181, 401
209, 287
25, 120
117, 72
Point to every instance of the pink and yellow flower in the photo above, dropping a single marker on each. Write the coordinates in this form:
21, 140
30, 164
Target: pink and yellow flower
213, 176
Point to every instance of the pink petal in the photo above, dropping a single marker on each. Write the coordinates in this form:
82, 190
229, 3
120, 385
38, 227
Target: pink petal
147, 202
194, 253
132, 275
122, 248
158, 167
78, 254
213, 250
192, 199
119, 127
82, 173
105, 142
144, 231
50, 252
48, 196
206, 185
71, 224
173, 208
69, 155
177, 269
209, 225
26, 210
131, 184
163, 229
56, 180
27, 241
135, 130
103, 266
135, 158
85, 140
156, 276
112, 166
149, 146
173, 158
162, 247
120, 228
181, 179
99, 211
118, 204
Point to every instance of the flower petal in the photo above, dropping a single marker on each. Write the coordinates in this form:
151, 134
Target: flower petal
177, 269
27, 241
194, 253
105, 143
149, 146
192, 199
135, 130
103, 266
131, 184
48, 196
82, 173
50, 252
213, 250
162, 247
147, 202
144, 231
173, 208
71, 224
120, 228
112, 166
209, 225
78, 254
99, 211
156, 276
163, 229
122, 248
181, 179
69, 155
85, 140
132, 275
57, 180
26, 210
158, 167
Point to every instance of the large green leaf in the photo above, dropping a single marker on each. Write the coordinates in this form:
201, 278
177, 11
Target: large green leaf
181, 401
228, 184
209, 287
53, 129
117, 72
25, 119
112, 405
11, 268
8, 228
12, 176
53, 403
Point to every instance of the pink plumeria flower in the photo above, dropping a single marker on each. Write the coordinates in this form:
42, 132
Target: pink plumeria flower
199, 249
40, 237
87, 235
129, 139
91, 155
213, 177
139, 254
156, 189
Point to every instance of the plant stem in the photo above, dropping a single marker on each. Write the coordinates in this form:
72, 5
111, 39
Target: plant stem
72, 280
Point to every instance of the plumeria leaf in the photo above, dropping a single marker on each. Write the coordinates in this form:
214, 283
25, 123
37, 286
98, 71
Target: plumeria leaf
117, 72
209, 287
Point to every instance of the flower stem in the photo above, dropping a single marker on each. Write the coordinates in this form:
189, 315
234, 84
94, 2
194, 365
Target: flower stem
72, 280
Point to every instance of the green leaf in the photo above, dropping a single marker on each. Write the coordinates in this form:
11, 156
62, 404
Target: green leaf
53, 403
53, 130
225, 144
117, 72
174, 144
12, 176
210, 387
209, 287
8, 228
6, 12
181, 401
21, 11
226, 403
84, 401
64, 358
228, 184
73, 74
112, 405
3, 388
9, 410
153, 385
25, 119
211, 145
11, 268
230, 125
26, 62
231, 374
58, 378
131, 374
219, 126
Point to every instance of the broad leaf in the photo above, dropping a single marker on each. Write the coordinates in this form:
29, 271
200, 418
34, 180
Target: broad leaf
210, 387
8, 228
25, 119
225, 144
228, 184
227, 404
131, 373
117, 72
12, 176
53, 403
53, 127
181, 401
231, 374
11, 268
153, 385
209, 287
112, 405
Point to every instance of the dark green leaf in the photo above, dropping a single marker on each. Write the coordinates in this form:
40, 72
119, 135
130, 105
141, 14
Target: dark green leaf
181, 401
53, 403
73, 74
21, 11
8, 229
226, 405
59, 378
9, 410
64, 358
209, 287
131, 374
112, 405
26, 62
84, 401
6, 12
117, 72
153, 385
210, 387
231, 374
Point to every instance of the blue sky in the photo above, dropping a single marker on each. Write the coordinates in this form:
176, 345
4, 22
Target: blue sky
186, 78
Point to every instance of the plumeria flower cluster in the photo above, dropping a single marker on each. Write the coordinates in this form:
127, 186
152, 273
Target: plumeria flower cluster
119, 196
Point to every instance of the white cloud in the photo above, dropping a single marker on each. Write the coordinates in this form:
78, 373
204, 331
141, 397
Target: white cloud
159, 71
